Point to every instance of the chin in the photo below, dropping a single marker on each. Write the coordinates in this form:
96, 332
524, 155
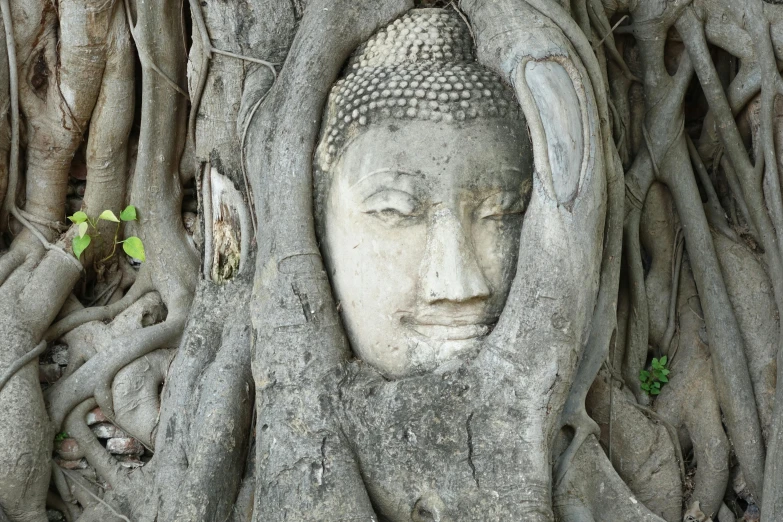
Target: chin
425, 355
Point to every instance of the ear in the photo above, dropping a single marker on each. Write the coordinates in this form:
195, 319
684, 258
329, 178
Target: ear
555, 106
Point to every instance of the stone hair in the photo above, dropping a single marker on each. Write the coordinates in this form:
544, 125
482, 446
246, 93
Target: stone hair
422, 66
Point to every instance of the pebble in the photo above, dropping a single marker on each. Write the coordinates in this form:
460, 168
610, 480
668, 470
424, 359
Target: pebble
71, 464
124, 446
95, 416
107, 430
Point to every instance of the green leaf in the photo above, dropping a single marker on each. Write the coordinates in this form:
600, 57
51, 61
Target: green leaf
663, 378
656, 364
129, 214
656, 385
664, 360
78, 217
79, 244
108, 215
644, 375
61, 436
664, 372
134, 248
655, 391
646, 387
83, 229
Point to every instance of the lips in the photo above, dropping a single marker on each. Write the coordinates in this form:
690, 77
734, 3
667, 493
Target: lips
441, 332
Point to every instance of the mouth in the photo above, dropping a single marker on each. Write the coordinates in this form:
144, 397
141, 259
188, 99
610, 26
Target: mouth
441, 332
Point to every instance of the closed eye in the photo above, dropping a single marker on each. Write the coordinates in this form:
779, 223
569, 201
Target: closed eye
392, 206
501, 205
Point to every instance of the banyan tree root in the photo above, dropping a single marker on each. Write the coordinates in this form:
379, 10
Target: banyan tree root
591, 490
135, 389
657, 238
690, 401
643, 452
750, 291
204, 434
25, 301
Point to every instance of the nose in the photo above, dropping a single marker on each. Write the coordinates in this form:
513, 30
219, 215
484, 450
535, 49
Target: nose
450, 269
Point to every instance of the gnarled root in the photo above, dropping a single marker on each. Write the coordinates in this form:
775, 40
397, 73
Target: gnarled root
592, 487
207, 407
136, 388
750, 291
136, 395
123, 483
29, 300
99, 313
220, 433
88, 339
642, 450
95, 377
690, 401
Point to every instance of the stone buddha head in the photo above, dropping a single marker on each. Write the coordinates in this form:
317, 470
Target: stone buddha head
422, 177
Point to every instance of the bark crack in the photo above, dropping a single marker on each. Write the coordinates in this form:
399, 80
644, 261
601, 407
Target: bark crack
323, 461
470, 450
304, 302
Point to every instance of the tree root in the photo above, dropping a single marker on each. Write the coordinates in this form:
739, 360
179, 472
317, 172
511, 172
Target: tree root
10, 262
107, 145
21, 363
95, 377
690, 401
592, 486
78, 481
642, 450
752, 297
29, 300
219, 433
100, 313
136, 395
637, 332
658, 236
671, 326
70, 511
87, 340
104, 463
191, 401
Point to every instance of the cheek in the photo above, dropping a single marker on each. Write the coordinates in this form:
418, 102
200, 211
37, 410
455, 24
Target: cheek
375, 268
497, 247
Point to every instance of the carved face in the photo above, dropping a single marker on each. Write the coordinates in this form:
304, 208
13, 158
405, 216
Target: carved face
421, 226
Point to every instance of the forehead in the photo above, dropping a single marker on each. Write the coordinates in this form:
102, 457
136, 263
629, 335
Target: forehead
476, 149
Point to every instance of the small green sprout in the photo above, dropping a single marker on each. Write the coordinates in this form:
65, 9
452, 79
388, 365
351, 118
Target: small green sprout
132, 245
655, 378
61, 436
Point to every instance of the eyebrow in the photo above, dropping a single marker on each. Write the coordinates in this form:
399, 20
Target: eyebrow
387, 170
